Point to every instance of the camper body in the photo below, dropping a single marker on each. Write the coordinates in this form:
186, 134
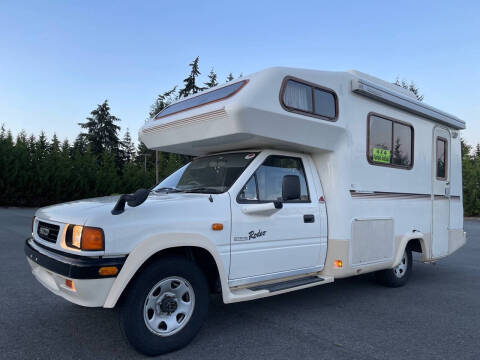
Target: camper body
300, 177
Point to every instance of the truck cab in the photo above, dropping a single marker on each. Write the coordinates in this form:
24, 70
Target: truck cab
277, 224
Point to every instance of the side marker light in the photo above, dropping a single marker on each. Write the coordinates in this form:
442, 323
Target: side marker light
108, 271
217, 227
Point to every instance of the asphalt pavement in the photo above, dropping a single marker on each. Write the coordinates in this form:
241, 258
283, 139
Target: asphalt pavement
435, 316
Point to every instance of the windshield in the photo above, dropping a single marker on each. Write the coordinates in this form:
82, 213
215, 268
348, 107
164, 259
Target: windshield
209, 174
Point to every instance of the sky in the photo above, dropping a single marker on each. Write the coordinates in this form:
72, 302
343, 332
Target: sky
59, 59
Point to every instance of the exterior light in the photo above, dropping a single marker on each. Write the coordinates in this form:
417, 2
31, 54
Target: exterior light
92, 239
217, 227
70, 284
85, 238
108, 271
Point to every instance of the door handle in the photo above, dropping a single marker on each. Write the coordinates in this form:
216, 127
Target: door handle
308, 218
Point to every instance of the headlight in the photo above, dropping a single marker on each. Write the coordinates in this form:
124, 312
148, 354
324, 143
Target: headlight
85, 238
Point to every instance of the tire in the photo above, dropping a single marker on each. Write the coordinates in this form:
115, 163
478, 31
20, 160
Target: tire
165, 306
398, 276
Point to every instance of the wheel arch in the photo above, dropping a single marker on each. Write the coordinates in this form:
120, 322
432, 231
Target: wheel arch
413, 241
196, 247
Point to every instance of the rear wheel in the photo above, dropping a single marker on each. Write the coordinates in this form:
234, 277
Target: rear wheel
165, 307
398, 276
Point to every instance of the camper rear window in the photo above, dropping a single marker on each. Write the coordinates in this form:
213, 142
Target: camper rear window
209, 97
441, 159
390, 142
308, 99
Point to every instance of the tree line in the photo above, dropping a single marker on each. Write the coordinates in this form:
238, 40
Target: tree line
37, 171
471, 179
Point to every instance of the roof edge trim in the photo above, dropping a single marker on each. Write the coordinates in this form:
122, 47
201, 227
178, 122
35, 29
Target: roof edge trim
398, 100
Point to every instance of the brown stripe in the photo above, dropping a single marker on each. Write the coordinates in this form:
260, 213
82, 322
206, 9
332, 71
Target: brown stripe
390, 195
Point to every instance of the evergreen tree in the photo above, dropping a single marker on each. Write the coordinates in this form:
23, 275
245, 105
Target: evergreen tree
102, 132
162, 101
42, 147
55, 144
84, 186
477, 151
107, 179
173, 162
66, 149
411, 87
80, 145
3, 159
190, 86
470, 180
128, 149
21, 176
57, 178
230, 77
212, 79
145, 156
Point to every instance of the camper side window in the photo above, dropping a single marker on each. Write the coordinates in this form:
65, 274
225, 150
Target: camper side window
390, 142
441, 159
308, 99
265, 185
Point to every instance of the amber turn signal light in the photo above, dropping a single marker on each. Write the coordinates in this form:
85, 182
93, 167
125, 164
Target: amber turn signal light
217, 227
337, 263
69, 283
92, 239
108, 271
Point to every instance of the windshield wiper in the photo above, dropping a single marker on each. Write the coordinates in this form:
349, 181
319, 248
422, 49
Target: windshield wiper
202, 190
168, 189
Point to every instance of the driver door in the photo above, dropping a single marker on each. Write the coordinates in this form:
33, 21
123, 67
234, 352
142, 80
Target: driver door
279, 243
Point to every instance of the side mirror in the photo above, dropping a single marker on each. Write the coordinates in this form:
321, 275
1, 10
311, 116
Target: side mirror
132, 200
291, 187
138, 197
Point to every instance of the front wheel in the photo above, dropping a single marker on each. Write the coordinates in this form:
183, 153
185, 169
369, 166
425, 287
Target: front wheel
398, 276
165, 307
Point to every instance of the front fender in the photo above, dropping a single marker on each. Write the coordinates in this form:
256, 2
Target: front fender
155, 244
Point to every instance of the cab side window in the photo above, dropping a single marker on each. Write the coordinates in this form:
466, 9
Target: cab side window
265, 185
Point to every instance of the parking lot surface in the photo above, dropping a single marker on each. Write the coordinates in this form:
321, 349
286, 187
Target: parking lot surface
435, 316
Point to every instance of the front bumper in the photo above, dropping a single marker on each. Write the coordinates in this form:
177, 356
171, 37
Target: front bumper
52, 269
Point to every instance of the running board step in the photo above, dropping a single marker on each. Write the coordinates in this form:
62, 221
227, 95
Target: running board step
288, 284
265, 290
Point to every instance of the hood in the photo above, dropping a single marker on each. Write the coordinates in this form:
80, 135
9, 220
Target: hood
75, 212
160, 214
81, 211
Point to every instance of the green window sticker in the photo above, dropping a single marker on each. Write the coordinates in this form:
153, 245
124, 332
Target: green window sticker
381, 155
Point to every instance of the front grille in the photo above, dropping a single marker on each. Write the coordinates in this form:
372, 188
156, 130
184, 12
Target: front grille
48, 232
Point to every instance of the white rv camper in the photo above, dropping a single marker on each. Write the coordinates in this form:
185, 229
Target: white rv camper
300, 177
